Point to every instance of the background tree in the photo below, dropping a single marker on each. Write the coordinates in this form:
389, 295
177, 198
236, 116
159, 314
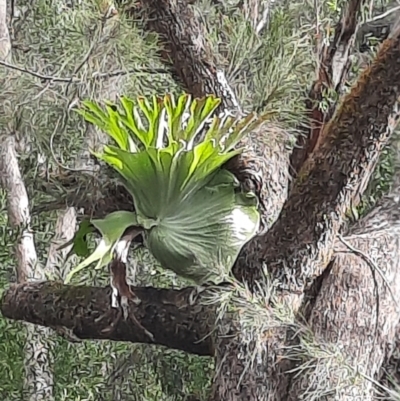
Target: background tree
305, 300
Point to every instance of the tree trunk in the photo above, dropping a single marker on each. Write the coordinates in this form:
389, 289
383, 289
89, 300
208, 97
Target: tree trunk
186, 49
356, 312
293, 233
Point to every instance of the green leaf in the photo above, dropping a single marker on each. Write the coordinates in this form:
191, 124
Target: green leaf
201, 111
129, 121
175, 111
112, 227
80, 247
95, 111
152, 113
145, 177
114, 129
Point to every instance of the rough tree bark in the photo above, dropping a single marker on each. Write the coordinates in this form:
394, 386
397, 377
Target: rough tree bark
343, 39
186, 49
86, 313
331, 72
299, 246
389, 376
295, 253
345, 312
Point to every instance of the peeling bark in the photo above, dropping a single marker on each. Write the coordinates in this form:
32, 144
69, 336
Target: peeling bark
86, 313
5, 42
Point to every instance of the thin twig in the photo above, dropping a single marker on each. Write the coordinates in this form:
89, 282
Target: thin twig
95, 75
385, 14
373, 267
372, 264
59, 164
92, 46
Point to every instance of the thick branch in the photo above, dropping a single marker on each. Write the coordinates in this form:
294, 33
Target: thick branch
186, 49
300, 244
332, 69
86, 313
298, 247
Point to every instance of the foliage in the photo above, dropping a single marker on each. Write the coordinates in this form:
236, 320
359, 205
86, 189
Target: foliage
268, 72
172, 165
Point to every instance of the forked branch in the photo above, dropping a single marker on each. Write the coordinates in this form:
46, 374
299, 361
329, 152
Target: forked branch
332, 69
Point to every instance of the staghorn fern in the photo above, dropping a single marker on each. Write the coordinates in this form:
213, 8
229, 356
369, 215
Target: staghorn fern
170, 155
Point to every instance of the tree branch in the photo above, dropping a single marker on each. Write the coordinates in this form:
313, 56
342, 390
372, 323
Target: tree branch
186, 49
299, 246
86, 313
332, 70
72, 79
